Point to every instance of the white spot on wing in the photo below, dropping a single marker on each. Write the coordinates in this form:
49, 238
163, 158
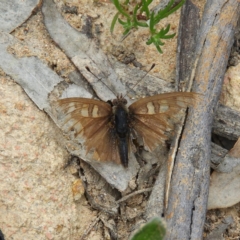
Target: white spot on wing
95, 111
71, 107
84, 112
150, 108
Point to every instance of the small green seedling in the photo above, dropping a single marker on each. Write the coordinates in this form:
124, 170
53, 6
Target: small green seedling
153, 230
141, 16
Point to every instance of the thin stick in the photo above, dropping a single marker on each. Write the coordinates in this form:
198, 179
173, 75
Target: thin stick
87, 231
134, 193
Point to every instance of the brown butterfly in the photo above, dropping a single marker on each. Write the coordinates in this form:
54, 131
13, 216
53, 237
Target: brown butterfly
108, 129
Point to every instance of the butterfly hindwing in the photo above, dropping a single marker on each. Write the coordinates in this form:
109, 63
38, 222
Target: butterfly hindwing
91, 120
152, 117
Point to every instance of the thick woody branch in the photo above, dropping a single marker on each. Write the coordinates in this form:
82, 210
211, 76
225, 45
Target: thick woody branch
226, 123
190, 179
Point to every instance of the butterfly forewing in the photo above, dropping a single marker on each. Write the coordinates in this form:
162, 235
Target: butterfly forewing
153, 116
91, 120
163, 103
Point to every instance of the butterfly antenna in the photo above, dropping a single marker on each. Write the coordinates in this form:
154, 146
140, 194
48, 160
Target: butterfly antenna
88, 69
142, 77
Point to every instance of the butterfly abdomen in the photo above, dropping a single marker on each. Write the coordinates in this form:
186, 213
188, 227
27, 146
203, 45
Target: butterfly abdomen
123, 151
122, 131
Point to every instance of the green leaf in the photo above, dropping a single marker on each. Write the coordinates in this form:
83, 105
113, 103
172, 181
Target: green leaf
168, 36
145, 7
159, 49
126, 32
159, 42
151, 23
175, 8
149, 41
153, 230
167, 11
120, 9
135, 15
122, 22
160, 15
114, 22
141, 24
166, 30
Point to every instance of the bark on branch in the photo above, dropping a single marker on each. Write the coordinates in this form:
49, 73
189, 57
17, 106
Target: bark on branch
190, 179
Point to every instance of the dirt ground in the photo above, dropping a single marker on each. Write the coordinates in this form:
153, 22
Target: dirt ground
32, 145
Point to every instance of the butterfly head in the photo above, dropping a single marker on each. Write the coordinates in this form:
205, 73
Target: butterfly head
120, 100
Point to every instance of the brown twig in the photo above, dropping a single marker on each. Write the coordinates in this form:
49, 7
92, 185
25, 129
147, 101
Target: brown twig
133, 194
190, 179
88, 230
